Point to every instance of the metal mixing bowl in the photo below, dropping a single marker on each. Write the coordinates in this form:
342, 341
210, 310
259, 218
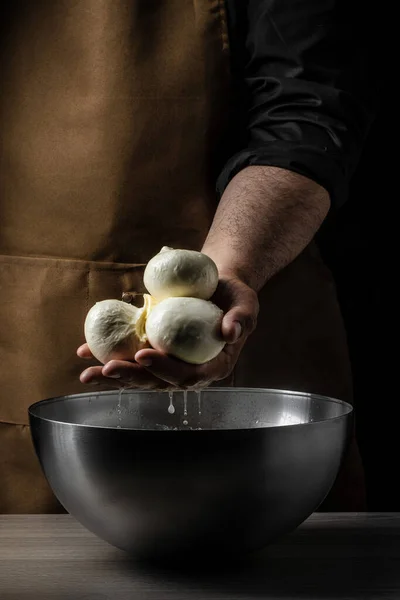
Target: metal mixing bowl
252, 466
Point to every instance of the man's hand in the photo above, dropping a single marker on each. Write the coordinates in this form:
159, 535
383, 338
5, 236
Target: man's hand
151, 369
264, 219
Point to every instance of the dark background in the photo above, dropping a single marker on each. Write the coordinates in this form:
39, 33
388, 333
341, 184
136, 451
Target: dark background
358, 244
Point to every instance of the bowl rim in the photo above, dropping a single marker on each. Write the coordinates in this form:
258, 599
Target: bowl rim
348, 409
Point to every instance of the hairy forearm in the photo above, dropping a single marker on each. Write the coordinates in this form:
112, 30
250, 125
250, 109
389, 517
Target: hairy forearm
265, 218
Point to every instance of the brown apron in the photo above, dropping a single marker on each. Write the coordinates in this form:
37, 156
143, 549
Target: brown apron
110, 114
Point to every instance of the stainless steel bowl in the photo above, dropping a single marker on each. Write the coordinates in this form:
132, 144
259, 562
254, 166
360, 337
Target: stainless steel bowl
252, 466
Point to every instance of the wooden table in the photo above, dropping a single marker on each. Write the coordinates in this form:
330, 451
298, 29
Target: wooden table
331, 556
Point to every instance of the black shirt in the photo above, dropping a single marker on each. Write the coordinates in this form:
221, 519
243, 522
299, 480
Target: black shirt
305, 73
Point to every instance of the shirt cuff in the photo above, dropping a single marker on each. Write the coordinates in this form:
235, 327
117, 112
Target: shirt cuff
325, 169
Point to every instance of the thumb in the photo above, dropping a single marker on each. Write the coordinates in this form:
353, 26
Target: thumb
237, 322
231, 330
241, 305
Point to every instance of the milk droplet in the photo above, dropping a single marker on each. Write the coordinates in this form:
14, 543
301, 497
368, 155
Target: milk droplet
171, 407
198, 393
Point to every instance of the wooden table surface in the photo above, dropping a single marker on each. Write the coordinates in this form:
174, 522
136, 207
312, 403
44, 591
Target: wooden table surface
331, 556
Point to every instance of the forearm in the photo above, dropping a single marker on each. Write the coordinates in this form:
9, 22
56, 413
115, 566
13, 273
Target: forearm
265, 218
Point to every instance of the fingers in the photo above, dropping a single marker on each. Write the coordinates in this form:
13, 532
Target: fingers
169, 369
91, 375
122, 374
240, 320
241, 314
180, 374
231, 329
84, 352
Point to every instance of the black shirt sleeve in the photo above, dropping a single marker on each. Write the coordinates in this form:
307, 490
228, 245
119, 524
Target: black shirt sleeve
307, 87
